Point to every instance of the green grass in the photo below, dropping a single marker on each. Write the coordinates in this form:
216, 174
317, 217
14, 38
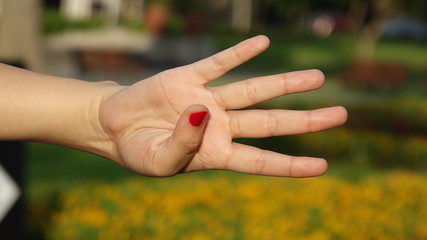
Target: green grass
52, 168
413, 54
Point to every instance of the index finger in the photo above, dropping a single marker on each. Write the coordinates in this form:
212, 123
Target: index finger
217, 65
249, 92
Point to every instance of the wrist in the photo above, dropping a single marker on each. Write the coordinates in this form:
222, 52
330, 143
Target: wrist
54, 110
92, 136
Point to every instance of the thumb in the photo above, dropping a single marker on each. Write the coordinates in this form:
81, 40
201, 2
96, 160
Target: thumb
178, 150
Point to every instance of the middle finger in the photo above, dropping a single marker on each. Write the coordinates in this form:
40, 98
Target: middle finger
267, 123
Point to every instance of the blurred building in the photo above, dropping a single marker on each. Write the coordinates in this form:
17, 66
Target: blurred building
20, 45
172, 31
21, 34
240, 11
86, 9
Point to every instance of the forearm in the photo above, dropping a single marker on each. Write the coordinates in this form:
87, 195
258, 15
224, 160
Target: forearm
53, 110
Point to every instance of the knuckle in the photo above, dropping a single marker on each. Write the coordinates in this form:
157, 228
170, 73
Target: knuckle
217, 64
189, 148
309, 122
271, 123
259, 164
235, 126
238, 54
251, 92
284, 85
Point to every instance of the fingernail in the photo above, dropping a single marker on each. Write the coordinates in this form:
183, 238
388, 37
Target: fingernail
196, 119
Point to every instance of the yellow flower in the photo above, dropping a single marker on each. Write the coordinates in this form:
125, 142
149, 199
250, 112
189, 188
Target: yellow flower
385, 206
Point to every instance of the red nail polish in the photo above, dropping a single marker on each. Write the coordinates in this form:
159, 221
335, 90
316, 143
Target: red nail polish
197, 118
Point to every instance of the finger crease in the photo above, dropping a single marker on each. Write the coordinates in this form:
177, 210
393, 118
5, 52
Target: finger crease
188, 148
218, 66
219, 99
285, 85
235, 126
309, 122
228, 159
237, 55
272, 124
251, 92
259, 164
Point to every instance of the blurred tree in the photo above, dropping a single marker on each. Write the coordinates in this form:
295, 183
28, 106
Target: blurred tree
293, 14
414, 9
241, 17
366, 16
369, 16
286, 12
193, 14
51, 3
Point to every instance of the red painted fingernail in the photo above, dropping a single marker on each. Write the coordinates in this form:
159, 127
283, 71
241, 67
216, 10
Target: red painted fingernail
197, 118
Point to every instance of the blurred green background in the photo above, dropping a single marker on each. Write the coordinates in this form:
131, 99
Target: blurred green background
374, 56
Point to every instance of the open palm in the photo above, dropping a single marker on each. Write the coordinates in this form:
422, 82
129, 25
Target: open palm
149, 125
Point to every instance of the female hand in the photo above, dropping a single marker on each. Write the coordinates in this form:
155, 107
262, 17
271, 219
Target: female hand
172, 122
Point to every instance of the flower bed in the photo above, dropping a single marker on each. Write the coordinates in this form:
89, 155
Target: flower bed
385, 206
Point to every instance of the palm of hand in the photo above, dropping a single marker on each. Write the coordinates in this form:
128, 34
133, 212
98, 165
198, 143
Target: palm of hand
149, 125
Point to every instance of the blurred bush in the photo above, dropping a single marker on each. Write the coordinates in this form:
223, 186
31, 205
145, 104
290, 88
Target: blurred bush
385, 206
54, 22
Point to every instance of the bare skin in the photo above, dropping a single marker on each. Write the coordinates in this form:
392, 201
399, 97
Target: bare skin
145, 127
